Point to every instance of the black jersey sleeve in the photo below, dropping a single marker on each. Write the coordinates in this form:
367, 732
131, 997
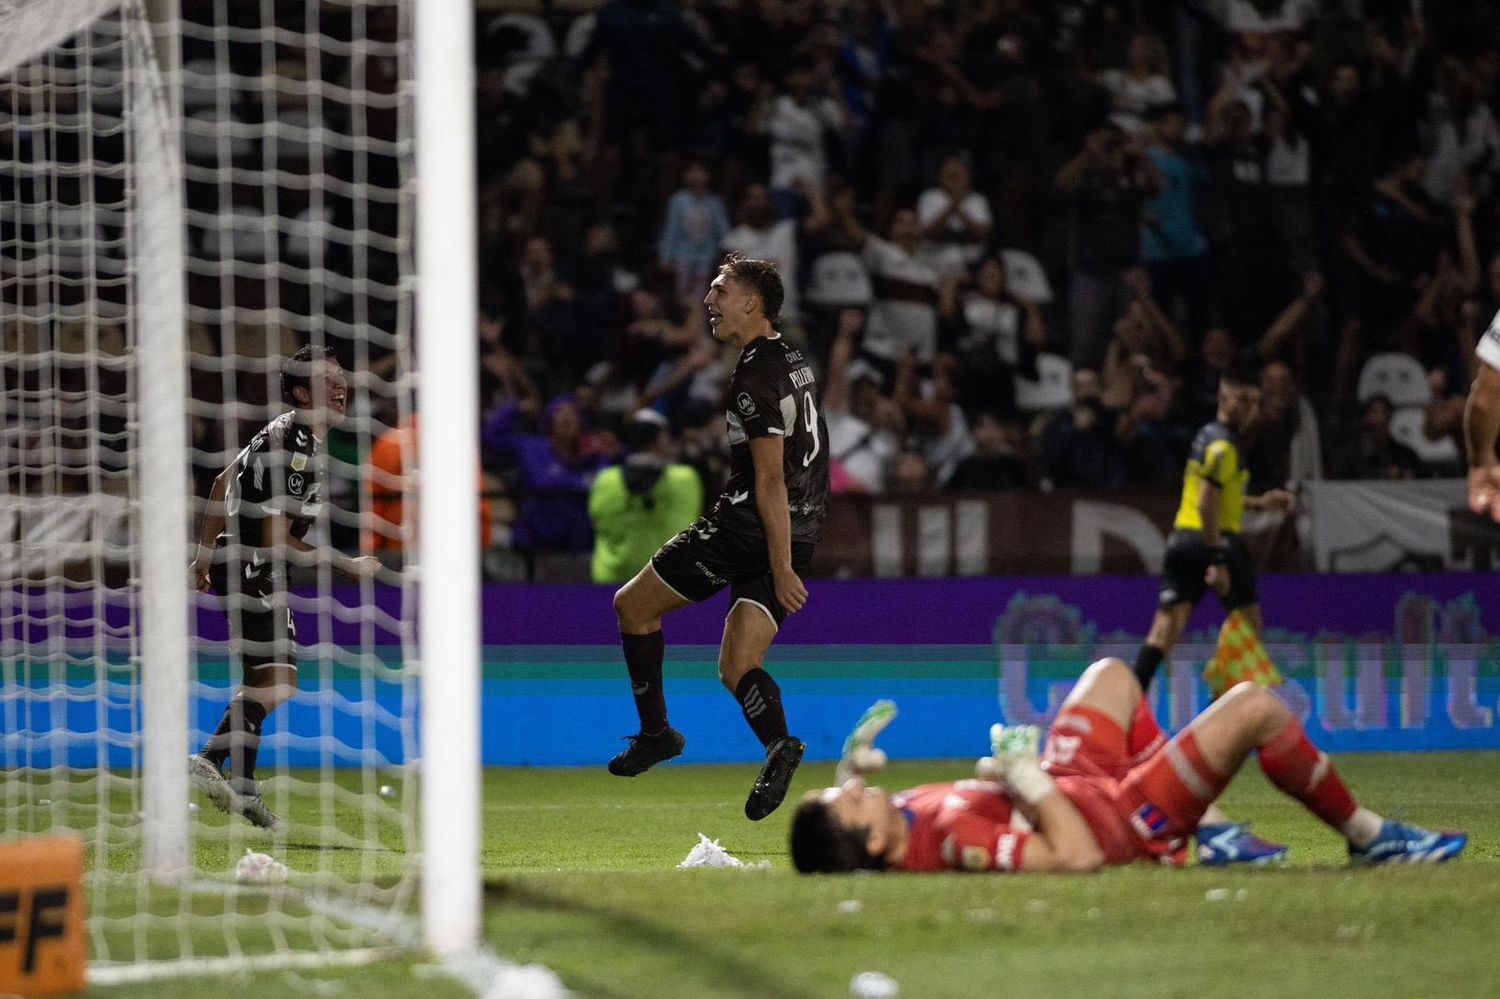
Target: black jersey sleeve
755, 395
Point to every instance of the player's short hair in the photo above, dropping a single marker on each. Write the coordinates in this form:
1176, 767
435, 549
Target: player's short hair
821, 846
296, 371
761, 277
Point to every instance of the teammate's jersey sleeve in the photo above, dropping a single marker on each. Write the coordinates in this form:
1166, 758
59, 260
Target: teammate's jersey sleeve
1489, 344
755, 395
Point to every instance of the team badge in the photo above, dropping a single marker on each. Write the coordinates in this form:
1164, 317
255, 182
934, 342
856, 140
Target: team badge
1149, 821
299, 462
746, 404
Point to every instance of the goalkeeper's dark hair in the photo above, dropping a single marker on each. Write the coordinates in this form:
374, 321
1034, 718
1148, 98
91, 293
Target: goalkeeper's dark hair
296, 371
761, 277
821, 846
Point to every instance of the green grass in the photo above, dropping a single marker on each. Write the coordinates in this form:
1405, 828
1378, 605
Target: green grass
580, 877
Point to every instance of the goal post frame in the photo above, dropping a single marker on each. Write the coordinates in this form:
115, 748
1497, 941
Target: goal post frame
448, 519
164, 511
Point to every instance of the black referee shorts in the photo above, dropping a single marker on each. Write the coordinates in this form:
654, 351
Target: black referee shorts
261, 628
704, 559
1187, 560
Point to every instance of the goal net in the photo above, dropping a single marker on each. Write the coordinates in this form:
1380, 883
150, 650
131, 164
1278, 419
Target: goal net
189, 192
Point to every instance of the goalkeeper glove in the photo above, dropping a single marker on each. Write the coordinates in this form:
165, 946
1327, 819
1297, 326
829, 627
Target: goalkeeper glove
860, 756
1017, 756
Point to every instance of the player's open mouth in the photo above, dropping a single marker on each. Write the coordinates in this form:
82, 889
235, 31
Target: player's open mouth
713, 317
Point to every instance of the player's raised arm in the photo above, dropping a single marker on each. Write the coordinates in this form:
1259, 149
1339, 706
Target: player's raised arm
776, 518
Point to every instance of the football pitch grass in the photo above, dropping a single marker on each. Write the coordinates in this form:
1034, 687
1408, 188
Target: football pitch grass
580, 876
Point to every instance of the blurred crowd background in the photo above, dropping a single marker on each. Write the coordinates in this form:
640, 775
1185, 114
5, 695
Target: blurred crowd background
1023, 239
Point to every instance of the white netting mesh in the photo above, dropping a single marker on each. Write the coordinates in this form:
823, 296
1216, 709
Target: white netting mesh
294, 153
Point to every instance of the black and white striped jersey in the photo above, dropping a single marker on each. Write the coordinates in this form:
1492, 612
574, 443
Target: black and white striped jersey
773, 392
278, 472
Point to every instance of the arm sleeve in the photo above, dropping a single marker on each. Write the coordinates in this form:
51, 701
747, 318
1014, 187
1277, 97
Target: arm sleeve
1220, 462
756, 399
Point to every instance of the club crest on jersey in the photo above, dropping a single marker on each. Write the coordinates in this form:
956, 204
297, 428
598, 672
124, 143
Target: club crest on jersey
299, 462
1149, 820
746, 404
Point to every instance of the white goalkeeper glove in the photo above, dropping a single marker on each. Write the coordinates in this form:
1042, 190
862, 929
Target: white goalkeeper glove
1017, 762
860, 756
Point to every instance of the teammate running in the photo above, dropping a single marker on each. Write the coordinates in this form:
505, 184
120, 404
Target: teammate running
259, 510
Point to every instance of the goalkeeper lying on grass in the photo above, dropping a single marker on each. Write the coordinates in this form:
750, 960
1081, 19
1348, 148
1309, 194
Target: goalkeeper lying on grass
1090, 801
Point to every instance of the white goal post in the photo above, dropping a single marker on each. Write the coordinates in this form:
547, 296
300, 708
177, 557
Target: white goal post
189, 190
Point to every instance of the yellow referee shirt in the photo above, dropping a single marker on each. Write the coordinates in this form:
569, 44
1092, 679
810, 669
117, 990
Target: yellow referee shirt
1217, 458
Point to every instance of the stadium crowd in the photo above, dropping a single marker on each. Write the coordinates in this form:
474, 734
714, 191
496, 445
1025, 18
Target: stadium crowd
1023, 239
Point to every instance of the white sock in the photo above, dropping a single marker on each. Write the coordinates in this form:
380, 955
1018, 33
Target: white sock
1362, 827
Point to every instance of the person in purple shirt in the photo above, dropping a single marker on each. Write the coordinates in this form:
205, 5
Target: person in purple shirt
554, 473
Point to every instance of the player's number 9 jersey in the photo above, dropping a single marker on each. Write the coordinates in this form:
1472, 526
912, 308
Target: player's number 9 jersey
773, 392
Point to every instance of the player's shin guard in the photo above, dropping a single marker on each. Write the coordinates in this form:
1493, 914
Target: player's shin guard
643, 657
760, 700
1303, 771
238, 736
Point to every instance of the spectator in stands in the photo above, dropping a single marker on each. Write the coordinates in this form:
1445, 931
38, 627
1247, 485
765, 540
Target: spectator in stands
935, 423
637, 505
1141, 87
1173, 246
1107, 183
1394, 245
644, 46
386, 475
955, 219
1374, 453
904, 316
798, 122
998, 336
1152, 446
863, 424
1143, 337
1286, 449
997, 461
553, 474
1237, 215
1465, 139
694, 228
1078, 446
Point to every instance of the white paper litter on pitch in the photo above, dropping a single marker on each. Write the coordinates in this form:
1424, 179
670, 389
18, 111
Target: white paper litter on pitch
259, 869
708, 853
